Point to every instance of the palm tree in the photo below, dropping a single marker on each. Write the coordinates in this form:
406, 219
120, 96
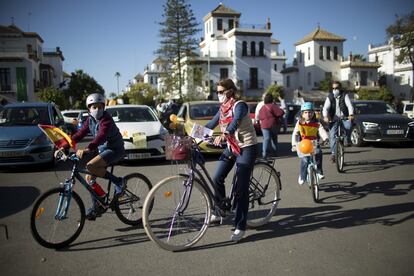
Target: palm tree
117, 75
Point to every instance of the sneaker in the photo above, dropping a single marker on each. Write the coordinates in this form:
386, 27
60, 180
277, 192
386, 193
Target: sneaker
332, 158
92, 214
300, 181
120, 187
237, 235
216, 219
320, 176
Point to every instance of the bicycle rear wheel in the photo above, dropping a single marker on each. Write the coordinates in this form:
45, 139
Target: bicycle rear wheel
167, 225
264, 194
128, 207
57, 218
339, 156
314, 183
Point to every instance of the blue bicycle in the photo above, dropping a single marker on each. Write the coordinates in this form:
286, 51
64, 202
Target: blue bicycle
58, 216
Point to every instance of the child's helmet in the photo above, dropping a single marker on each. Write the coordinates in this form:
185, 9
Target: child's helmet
306, 106
95, 98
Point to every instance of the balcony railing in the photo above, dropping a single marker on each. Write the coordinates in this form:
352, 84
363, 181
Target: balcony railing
253, 26
254, 84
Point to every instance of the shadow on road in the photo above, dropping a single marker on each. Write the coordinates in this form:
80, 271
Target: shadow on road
352, 192
364, 166
102, 243
301, 220
16, 199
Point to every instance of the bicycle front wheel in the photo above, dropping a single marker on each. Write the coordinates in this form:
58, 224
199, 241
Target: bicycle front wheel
340, 152
264, 194
180, 212
314, 183
57, 218
128, 208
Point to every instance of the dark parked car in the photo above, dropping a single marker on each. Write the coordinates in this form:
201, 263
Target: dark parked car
377, 121
21, 140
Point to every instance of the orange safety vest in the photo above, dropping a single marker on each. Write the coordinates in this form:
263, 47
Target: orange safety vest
309, 130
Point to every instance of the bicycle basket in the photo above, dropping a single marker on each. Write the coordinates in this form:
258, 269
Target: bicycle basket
177, 147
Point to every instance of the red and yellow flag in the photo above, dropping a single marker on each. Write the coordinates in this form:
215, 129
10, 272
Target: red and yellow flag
57, 136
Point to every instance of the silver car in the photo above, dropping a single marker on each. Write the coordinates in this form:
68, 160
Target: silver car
21, 140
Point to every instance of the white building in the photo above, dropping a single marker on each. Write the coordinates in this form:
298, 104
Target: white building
319, 55
25, 66
397, 76
153, 74
245, 53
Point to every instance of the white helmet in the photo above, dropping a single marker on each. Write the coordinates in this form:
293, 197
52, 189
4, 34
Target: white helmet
95, 98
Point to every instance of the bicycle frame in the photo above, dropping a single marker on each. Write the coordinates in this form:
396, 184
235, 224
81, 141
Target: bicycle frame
68, 188
197, 160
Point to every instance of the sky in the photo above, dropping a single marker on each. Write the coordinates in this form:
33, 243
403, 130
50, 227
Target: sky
102, 37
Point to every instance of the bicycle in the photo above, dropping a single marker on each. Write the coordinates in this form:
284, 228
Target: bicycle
181, 205
58, 216
312, 178
340, 137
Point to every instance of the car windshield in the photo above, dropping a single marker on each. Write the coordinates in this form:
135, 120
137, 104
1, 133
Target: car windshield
71, 114
409, 107
132, 114
12, 116
203, 111
373, 108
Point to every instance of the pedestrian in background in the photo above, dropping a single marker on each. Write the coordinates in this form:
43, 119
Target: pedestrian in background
269, 115
284, 118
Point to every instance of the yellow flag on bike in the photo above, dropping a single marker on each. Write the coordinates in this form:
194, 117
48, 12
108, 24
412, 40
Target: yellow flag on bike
57, 136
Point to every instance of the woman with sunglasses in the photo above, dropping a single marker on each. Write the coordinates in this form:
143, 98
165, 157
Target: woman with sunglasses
238, 131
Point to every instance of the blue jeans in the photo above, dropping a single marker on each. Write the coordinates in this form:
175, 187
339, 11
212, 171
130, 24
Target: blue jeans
333, 127
304, 161
245, 163
269, 140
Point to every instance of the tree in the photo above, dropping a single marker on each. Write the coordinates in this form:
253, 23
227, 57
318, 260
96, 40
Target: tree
325, 85
359, 57
276, 91
402, 34
383, 94
51, 94
141, 93
80, 86
177, 32
117, 75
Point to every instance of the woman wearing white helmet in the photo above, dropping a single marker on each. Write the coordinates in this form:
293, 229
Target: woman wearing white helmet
107, 144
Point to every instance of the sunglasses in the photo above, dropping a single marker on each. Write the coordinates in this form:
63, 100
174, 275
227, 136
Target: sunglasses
219, 92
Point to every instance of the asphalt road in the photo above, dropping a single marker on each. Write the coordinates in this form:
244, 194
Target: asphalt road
364, 225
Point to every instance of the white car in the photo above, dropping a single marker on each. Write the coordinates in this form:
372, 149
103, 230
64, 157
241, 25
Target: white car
70, 115
141, 130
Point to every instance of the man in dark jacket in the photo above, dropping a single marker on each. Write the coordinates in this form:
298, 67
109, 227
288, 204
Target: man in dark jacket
337, 107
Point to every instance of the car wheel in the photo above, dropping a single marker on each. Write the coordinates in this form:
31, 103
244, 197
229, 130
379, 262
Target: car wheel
356, 137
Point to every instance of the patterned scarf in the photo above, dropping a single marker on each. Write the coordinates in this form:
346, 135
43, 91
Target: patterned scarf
226, 116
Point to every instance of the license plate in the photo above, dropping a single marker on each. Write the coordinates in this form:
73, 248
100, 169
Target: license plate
395, 131
10, 153
139, 155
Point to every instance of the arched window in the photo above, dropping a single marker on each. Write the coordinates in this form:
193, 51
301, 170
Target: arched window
252, 48
261, 48
321, 52
244, 48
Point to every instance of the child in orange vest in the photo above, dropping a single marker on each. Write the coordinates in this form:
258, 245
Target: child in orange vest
308, 127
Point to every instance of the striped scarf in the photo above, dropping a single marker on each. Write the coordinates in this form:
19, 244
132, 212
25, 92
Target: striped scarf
226, 116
